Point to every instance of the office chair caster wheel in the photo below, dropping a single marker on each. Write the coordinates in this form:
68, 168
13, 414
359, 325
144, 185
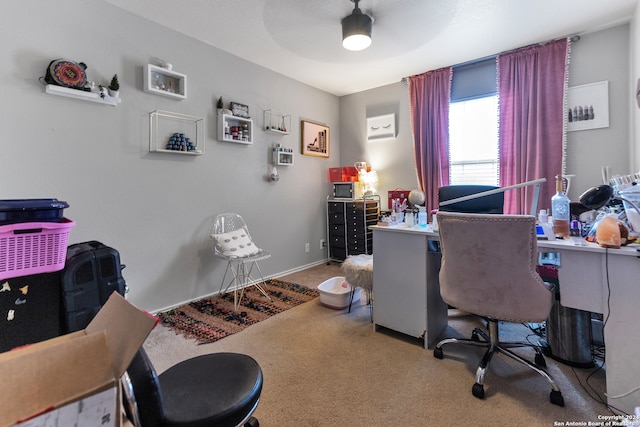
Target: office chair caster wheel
252, 422
437, 353
540, 360
556, 398
478, 390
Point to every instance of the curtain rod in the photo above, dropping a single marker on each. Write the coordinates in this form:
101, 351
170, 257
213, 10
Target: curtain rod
574, 38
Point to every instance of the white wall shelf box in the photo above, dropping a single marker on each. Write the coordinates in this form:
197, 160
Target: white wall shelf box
81, 95
282, 156
164, 124
160, 81
277, 123
381, 127
235, 129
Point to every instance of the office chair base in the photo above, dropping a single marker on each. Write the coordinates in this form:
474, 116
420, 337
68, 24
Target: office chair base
478, 390
493, 345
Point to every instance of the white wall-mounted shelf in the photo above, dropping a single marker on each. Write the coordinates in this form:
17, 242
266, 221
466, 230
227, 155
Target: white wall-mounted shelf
164, 124
277, 123
163, 82
81, 95
235, 129
282, 156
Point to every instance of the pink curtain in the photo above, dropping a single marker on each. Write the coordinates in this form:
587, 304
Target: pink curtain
429, 95
531, 89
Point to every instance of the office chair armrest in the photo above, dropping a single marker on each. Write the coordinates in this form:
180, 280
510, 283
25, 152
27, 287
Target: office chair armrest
129, 400
550, 286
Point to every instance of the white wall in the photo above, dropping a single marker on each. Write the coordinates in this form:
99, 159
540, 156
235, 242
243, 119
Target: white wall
602, 55
599, 56
155, 209
634, 154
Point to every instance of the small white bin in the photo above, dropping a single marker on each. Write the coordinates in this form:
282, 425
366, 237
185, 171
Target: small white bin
335, 293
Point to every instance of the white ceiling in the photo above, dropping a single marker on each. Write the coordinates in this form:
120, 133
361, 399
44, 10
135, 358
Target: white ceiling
302, 38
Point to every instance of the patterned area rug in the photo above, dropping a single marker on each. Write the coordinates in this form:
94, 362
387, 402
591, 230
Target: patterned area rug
211, 319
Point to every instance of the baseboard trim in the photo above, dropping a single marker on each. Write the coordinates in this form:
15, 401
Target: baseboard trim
271, 276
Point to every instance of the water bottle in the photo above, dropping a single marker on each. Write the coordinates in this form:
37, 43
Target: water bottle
422, 217
560, 211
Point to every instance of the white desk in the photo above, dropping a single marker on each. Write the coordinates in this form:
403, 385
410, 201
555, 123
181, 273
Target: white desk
406, 289
407, 296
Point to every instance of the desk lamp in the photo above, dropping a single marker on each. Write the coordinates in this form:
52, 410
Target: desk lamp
596, 197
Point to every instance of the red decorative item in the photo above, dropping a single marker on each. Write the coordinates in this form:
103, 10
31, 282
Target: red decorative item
400, 195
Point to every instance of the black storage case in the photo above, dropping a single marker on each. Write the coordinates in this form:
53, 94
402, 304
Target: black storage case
30, 310
31, 210
92, 272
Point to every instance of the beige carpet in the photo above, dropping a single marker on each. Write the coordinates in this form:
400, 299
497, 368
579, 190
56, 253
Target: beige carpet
325, 367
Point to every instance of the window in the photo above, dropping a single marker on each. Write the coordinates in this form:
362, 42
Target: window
473, 124
473, 141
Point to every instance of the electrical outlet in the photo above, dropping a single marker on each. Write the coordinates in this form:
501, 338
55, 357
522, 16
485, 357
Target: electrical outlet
323, 243
306, 247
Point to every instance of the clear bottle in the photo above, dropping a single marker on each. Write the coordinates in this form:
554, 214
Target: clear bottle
560, 211
422, 217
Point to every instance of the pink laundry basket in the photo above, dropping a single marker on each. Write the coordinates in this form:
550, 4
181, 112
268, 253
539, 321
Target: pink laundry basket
33, 247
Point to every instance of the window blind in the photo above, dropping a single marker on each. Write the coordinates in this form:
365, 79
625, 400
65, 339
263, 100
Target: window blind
473, 80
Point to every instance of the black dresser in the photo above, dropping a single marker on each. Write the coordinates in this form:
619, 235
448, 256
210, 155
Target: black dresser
348, 224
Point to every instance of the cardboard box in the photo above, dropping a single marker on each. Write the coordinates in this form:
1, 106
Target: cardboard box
49, 378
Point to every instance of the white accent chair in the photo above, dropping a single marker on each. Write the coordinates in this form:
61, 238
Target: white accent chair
233, 243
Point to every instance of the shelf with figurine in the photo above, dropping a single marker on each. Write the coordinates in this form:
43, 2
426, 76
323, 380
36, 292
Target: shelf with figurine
67, 78
164, 82
277, 123
176, 133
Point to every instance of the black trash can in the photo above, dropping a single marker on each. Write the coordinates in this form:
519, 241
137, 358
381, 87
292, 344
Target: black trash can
568, 329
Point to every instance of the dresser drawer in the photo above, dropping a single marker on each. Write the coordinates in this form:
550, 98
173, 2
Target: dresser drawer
338, 253
336, 230
353, 241
336, 241
336, 218
335, 207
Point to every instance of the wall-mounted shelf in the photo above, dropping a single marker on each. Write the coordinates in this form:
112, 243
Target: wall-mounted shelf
163, 82
276, 123
164, 124
282, 156
81, 95
235, 129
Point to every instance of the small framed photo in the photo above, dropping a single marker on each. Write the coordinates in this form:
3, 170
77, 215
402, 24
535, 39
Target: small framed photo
588, 106
315, 139
239, 110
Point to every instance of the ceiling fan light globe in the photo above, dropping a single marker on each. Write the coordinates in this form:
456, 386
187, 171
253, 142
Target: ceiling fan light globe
356, 42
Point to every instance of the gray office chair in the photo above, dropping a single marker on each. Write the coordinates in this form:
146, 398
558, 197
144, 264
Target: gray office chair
218, 389
233, 243
489, 269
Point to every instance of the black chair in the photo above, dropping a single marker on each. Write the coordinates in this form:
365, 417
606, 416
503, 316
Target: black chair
219, 389
491, 204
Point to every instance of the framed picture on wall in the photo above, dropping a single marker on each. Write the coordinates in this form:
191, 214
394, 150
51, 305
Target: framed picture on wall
588, 106
315, 139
